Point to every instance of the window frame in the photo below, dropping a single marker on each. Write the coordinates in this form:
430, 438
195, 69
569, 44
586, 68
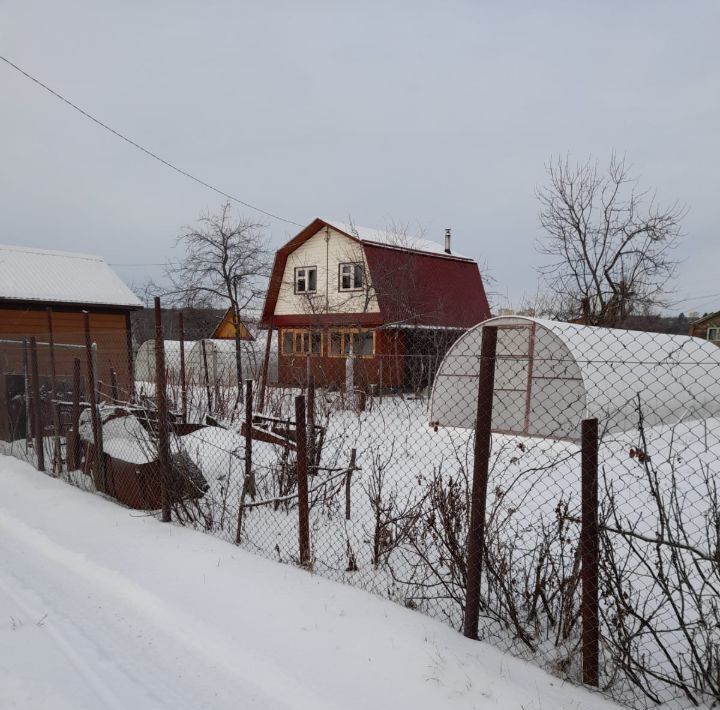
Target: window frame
716, 330
306, 269
349, 332
354, 265
300, 332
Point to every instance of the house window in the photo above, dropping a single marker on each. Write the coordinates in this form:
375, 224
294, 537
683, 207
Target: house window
301, 342
362, 343
713, 334
352, 277
306, 279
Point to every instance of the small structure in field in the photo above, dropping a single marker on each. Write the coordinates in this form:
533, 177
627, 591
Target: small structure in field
145, 360
219, 355
225, 329
33, 280
707, 327
550, 375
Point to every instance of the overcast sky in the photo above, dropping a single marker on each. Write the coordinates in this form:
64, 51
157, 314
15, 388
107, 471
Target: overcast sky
435, 114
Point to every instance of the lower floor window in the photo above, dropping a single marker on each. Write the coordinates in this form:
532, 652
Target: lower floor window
301, 342
359, 342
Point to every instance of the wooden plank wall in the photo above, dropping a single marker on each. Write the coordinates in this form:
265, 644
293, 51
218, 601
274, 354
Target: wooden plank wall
108, 330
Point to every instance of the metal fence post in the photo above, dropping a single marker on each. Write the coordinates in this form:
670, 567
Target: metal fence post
265, 370
162, 414
207, 377
57, 451
114, 389
589, 553
36, 411
249, 475
183, 381
73, 444
26, 380
311, 424
481, 465
94, 413
302, 483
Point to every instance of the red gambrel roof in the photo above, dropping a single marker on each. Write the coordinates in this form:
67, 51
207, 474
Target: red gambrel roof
413, 286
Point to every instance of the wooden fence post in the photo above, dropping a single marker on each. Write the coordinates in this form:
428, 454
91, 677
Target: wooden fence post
589, 554
481, 466
94, 412
36, 407
302, 483
162, 415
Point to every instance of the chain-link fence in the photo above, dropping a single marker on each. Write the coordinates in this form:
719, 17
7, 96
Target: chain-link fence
550, 488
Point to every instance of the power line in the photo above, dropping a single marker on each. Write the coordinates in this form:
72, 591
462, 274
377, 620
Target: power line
145, 150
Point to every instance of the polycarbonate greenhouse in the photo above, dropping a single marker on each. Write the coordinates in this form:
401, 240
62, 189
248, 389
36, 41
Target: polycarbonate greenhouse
550, 375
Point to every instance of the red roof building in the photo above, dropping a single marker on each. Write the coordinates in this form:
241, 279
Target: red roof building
394, 302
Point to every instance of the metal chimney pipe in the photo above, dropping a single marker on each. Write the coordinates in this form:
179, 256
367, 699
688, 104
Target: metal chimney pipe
447, 241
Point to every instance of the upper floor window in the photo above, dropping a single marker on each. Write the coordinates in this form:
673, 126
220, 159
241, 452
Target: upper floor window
306, 279
352, 277
713, 334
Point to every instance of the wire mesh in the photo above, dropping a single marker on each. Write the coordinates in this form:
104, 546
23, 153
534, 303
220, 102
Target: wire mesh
390, 463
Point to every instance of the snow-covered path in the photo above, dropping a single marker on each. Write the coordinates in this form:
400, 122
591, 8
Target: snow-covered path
102, 608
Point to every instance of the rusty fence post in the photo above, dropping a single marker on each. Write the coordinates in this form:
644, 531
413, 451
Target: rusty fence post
73, 444
302, 483
162, 415
249, 475
265, 370
589, 554
95, 418
114, 389
57, 449
28, 409
36, 407
312, 465
183, 381
348, 481
207, 377
481, 466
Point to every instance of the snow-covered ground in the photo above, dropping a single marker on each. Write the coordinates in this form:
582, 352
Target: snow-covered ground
103, 607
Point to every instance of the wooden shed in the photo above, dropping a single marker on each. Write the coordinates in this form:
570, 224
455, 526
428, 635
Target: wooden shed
40, 289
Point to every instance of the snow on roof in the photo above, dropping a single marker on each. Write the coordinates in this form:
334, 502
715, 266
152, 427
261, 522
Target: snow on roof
392, 239
28, 274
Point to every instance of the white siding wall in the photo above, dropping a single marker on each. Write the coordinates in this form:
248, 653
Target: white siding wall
326, 255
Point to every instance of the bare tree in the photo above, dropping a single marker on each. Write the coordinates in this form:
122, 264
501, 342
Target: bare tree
610, 242
226, 259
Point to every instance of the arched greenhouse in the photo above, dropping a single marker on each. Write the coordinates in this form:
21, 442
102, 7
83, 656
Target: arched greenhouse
551, 375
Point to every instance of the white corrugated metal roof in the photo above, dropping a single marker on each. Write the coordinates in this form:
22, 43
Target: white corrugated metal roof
392, 239
28, 274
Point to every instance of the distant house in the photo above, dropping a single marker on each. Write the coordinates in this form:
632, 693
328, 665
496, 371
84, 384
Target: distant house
707, 327
394, 302
225, 329
33, 280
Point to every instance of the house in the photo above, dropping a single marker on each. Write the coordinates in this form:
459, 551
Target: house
394, 302
225, 329
707, 327
40, 289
